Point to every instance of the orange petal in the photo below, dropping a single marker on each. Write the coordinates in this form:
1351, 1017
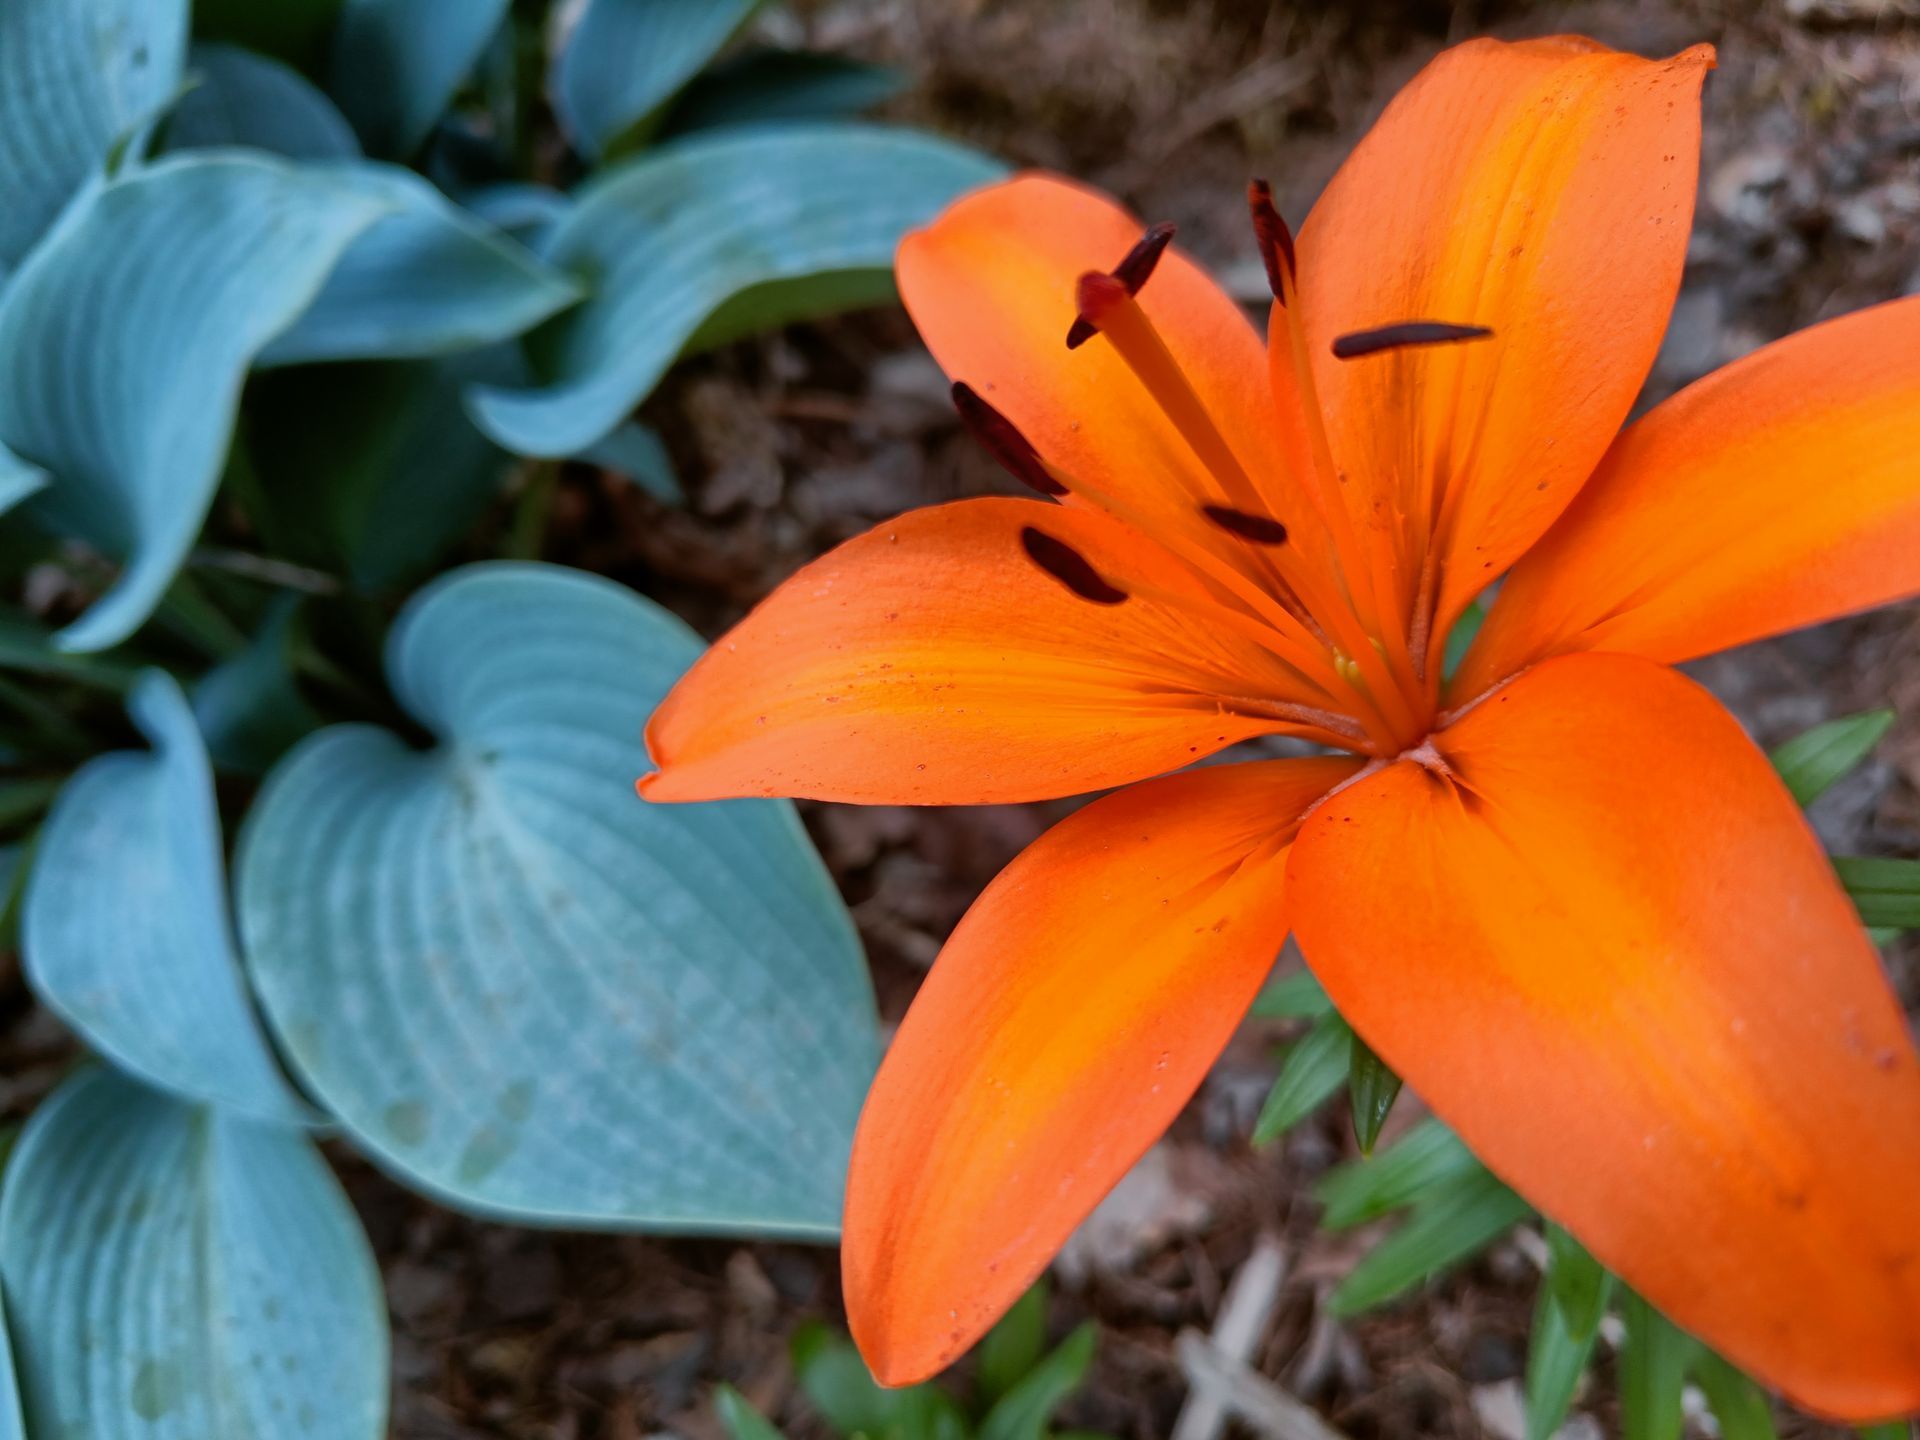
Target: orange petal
1611, 955
1075, 1010
931, 661
991, 285
1783, 490
1544, 189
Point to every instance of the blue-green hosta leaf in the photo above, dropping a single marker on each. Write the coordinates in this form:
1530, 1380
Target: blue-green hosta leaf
627, 58
190, 266
524, 210
249, 708
634, 450
177, 1273
19, 480
520, 986
709, 238
428, 279
767, 85
397, 63
75, 77
12, 1425
126, 933
374, 469
246, 99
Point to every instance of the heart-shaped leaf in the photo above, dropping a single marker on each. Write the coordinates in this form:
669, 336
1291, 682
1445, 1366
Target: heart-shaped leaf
176, 1273
129, 405
712, 237
627, 58
396, 64
126, 934
241, 98
427, 279
523, 988
75, 76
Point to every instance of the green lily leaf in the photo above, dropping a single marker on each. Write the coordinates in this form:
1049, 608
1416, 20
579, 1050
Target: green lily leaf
175, 1273
1737, 1403
1315, 1067
1371, 1089
1454, 1220
837, 1383
1653, 1372
1557, 1356
524, 989
1578, 1283
741, 1420
1426, 1157
1293, 997
1012, 1347
1023, 1412
1811, 763
1885, 891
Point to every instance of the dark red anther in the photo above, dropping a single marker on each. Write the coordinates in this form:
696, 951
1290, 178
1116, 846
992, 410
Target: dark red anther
1276, 240
1096, 293
1002, 439
1406, 333
1069, 567
1136, 267
1260, 529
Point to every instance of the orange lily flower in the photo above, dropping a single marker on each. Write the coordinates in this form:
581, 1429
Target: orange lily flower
1563, 894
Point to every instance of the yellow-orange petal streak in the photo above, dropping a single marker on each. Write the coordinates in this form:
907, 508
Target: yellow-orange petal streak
932, 661
1074, 1011
1609, 952
1543, 189
1780, 491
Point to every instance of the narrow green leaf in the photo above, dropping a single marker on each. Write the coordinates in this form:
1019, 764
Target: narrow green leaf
837, 1383
1556, 1358
1313, 1070
1885, 891
1813, 761
1578, 1282
1888, 1430
1460, 638
1454, 1221
741, 1420
1653, 1371
1293, 997
1024, 1411
1361, 1190
1013, 1347
1371, 1090
1737, 1403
